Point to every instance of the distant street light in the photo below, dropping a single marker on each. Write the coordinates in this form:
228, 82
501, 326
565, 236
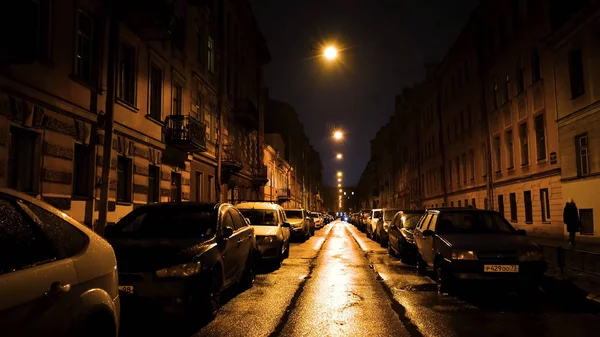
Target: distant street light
339, 180
338, 135
339, 185
340, 190
339, 156
339, 174
330, 53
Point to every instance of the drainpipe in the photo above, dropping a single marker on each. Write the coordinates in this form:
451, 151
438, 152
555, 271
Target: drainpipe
220, 56
113, 41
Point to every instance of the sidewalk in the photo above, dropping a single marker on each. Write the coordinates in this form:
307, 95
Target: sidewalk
578, 267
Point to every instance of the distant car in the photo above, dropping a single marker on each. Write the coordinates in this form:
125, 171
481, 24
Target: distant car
466, 243
272, 229
301, 227
57, 277
319, 222
383, 225
181, 256
401, 240
376, 213
363, 219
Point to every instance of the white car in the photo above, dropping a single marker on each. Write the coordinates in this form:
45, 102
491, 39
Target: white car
271, 229
57, 277
372, 222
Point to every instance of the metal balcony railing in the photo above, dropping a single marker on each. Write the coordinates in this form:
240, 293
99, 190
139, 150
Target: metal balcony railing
186, 133
232, 158
260, 175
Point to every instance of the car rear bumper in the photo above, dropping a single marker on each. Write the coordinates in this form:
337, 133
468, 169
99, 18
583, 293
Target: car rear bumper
171, 296
297, 232
270, 251
474, 270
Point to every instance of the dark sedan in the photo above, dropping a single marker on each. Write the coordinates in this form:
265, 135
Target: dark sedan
462, 244
180, 256
401, 240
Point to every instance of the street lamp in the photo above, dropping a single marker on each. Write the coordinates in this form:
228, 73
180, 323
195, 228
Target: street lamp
339, 174
339, 180
338, 135
330, 53
340, 190
339, 156
339, 185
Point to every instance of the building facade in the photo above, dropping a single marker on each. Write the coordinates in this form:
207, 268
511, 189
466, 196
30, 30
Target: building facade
179, 84
505, 122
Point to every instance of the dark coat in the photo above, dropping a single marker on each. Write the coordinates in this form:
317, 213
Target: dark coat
571, 217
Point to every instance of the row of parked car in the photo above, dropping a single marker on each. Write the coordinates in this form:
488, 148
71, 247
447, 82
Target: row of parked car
457, 244
59, 278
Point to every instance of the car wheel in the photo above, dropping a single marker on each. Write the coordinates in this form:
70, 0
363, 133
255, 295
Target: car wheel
421, 265
249, 275
441, 277
214, 295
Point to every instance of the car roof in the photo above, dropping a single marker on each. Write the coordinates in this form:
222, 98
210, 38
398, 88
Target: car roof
259, 205
294, 209
458, 209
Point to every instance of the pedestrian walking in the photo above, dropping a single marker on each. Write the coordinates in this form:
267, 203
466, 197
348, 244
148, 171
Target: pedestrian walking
571, 219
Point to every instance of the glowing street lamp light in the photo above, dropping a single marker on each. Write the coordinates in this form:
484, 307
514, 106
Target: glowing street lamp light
339, 156
339, 180
339, 174
330, 53
339, 185
340, 190
338, 135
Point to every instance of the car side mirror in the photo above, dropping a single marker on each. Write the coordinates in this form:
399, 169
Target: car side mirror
428, 232
521, 232
227, 232
286, 225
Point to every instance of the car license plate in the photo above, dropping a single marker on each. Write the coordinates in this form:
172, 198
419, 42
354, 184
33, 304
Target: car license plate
126, 289
501, 268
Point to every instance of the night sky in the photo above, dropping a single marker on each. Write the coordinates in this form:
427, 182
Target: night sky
385, 46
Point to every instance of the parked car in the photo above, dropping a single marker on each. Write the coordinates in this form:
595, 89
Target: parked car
372, 222
383, 224
466, 243
319, 223
271, 228
401, 240
301, 226
181, 256
363, 219
57, 277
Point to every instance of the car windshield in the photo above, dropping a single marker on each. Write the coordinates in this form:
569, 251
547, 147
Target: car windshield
169, 223
472, 223
388, 215
409, 221
293, 214
376, 214
259, 217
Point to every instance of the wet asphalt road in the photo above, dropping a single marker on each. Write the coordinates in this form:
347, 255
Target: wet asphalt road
339, 283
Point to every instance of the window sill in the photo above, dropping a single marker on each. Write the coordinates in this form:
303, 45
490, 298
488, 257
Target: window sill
81, 81
541, 161
127, 105
124, 203
529, 222
514, 221
154, 120
547, 222
512, 168
524, 165
81, 198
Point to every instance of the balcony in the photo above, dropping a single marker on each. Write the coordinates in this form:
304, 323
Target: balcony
284, 194
154, 20
260, 175
185, 133
246, 113
232, 158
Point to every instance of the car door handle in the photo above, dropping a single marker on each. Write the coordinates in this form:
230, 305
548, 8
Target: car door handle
57, 288
250, 235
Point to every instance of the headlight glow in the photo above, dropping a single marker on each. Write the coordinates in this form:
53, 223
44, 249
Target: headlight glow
532, 255
182, 270
463, 255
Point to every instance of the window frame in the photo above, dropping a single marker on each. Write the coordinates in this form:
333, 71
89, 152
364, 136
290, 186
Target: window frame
154, 182
545, 204
152, 96
576, 73
540, 138
527, 200
579, 157
510, 146
127, 179
513, 207
127, 80
87, 183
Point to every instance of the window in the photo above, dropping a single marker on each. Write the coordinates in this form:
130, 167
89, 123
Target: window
513, 207
153, 183
536, 72
520, 77
501, 204
576, 73
524, 138
175, 186
485, 203
26, 245
497, 154
177, 99
528, 207
66, 239
199, 177
83, 59
451, 203
473, 203
238, 221
510, 151
540, 137
209, 188
460, 203
450, 172
124, 182
156, 86
457, 171
23, 156
127, 74
472, 164
82, 171
484, 161
466, 202
506, 88
582, 152
33, 41
464, 164
545, 201
210, 48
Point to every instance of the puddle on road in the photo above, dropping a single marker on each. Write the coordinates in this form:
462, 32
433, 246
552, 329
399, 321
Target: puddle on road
427, 287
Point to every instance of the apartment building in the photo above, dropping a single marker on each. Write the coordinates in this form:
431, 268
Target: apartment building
178, 78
